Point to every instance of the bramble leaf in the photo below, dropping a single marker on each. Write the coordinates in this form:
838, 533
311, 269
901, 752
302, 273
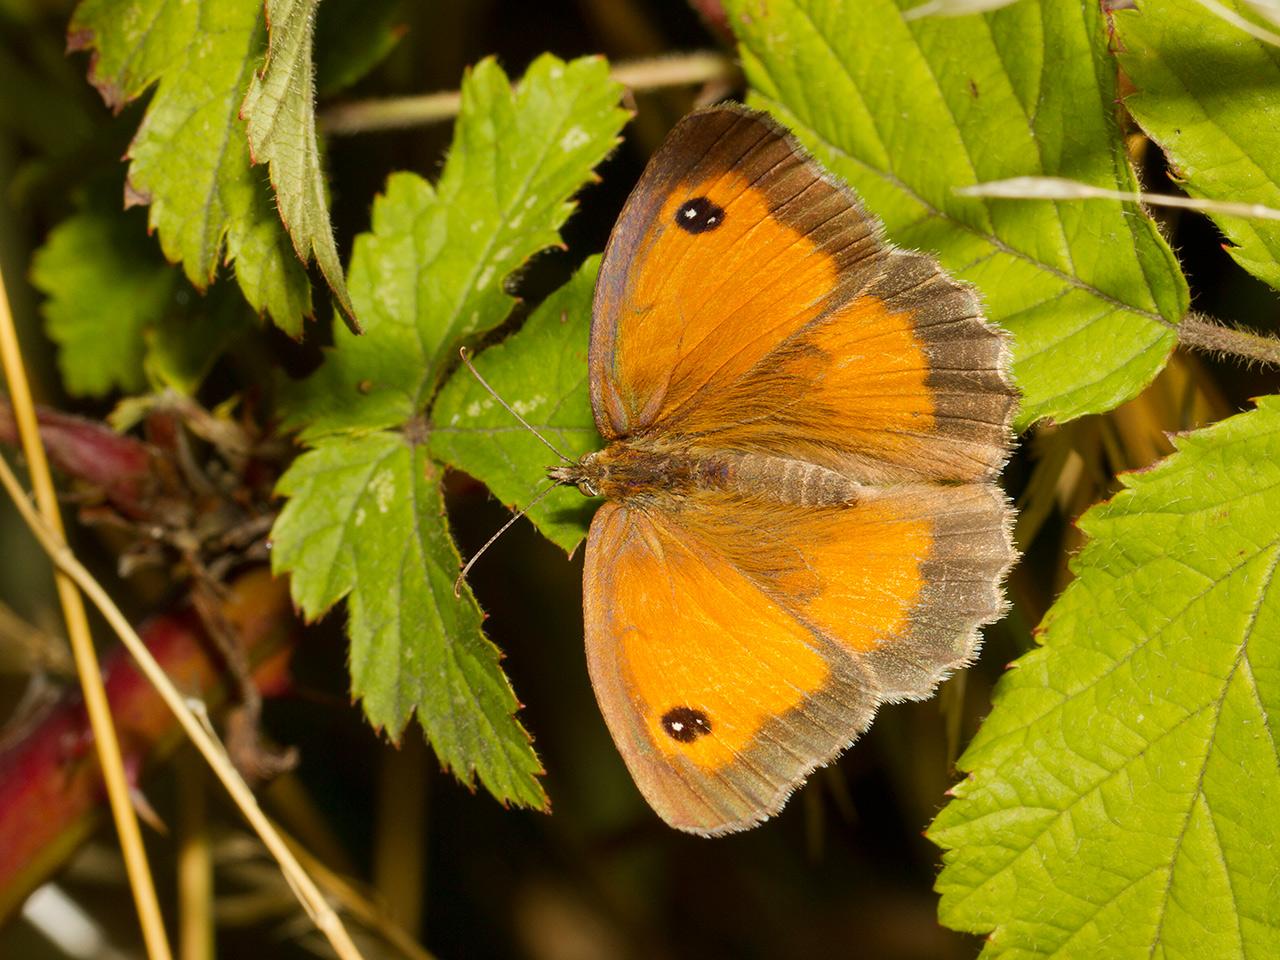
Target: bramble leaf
1091, 292
190, 158
542, 372
280, 113
365, 519
431, 274
365, 515
1206, 95
1123, 796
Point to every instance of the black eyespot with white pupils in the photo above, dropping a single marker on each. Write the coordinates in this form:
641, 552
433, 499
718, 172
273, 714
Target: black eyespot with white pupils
685, 724
699, 215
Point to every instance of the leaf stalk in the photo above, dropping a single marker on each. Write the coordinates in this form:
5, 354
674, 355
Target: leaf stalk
400, 113
1200, 332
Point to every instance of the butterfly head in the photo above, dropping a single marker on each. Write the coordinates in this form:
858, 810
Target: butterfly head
586, 474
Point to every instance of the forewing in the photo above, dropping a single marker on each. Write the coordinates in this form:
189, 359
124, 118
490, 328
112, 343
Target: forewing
747, 300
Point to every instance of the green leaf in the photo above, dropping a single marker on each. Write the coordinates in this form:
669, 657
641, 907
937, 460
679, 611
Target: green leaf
105, 284
365, 519
122, 318
280, 111
185, 343
1123, 797
1090, 291
365, 513
190, 157
1207, 96
431, 273
542, 372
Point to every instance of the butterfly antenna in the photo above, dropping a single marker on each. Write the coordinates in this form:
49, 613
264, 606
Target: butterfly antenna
494, 393
457, 584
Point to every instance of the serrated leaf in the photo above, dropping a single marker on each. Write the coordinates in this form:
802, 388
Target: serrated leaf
280, 114
542, 372
1206, 93
430, 275
1091, 292
1124, 794
365, 520
190, 157
105, 283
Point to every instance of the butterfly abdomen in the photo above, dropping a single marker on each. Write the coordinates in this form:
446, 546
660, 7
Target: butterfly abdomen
636, 470
795, 482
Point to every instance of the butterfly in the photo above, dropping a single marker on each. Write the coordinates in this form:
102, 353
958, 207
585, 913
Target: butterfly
800, 518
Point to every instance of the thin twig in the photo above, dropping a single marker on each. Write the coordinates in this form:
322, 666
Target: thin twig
86, 658
313, 902
1201, 333
1060, 188
953, 8
360, 905
398, 113
1196, 330
1239, 22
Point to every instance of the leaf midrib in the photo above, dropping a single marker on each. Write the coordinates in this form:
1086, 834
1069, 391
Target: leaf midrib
1197, 794
1242, 656
1067, 697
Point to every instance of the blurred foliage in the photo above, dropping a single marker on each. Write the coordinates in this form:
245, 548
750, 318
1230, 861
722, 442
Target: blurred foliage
1110, 812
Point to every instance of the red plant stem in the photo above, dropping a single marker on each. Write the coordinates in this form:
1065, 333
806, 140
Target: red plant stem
121, 467
50, 785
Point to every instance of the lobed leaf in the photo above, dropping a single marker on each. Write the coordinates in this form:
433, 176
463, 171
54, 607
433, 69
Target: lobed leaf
1206, 95
365, 518
280, 113
542, 372
1123, 797
122, 318
430, 275
1091, 292
104, 285
190, 158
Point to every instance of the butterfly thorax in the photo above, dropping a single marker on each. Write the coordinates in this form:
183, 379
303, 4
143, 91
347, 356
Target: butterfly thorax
636, 469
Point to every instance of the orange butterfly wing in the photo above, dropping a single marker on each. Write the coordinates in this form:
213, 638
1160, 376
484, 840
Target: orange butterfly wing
735, 646
783, 323
747, 305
